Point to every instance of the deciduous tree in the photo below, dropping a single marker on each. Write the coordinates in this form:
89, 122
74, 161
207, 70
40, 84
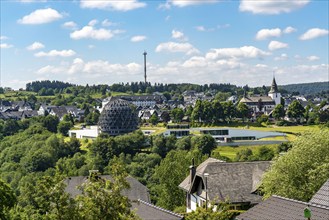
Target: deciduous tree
300, 172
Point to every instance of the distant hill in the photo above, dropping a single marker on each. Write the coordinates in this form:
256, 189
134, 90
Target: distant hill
307, 88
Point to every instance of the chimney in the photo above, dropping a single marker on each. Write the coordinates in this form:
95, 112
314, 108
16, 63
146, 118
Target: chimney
192, 171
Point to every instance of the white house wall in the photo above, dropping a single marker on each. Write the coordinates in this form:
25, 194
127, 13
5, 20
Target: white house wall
85, 133
246, 132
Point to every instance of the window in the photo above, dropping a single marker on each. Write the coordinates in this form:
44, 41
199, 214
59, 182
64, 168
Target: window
215, 132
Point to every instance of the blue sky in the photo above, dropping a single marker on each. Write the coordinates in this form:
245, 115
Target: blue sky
101, 42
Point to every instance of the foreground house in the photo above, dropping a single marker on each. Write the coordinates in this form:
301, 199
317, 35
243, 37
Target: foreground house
277, 207
215, 181
138, 194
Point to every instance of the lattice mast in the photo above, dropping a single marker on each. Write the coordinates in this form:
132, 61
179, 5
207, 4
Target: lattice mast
145, 66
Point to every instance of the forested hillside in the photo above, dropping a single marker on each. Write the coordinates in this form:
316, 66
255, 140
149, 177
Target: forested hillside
307, 88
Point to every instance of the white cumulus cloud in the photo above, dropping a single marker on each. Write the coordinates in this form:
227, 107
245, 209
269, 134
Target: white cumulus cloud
70, 25
180, 3
174, 47
138, 38
41, 16
313, 33
275, 45
236, 53
50, 69
3, 37
264, 34
126, 5
283, 56
107, 23
289, 30
312, 58
271, 7
5, 46
200, 28
93, 33
77, 66
103, 67
178, 35
35, 46
195, 61
54, 53
93, 22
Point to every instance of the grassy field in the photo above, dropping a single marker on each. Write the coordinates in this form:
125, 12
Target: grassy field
158, 130
291, 131
231, 152
287, 129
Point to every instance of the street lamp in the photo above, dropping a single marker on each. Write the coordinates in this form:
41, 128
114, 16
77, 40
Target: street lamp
206, 177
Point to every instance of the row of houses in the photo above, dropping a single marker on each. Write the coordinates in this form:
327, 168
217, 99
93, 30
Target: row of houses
6, 105
215, 181
18, 110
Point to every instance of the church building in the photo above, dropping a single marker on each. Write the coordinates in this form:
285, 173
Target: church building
263, 104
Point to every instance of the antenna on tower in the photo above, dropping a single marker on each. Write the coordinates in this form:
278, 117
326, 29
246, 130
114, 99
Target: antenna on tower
145, 66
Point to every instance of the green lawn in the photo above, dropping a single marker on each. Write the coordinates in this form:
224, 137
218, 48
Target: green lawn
289, 129
293, 131
158, 130
231, 152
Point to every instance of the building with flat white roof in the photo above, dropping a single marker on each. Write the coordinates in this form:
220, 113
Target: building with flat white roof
91, 132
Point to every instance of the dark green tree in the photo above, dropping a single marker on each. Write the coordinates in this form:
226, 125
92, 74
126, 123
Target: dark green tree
7, 200
183, 143
159, 145
102, 199
229, 111
300, 172
244, 155
64, 127
154, 119
278, 112
197, 113
222, 212
204, 143
51, 122
218, 113
170, 173
242, 111
295, 110
177, 114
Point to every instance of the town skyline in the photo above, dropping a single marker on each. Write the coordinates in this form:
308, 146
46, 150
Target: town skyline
201, 42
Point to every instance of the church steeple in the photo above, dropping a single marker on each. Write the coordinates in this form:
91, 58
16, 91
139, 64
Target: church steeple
274, 87
274, 92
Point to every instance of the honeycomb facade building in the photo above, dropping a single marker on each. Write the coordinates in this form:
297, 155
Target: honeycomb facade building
118, 117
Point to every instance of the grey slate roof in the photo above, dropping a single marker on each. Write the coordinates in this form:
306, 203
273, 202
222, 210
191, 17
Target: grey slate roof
255, 99
274, 87
156, 98
30, 113
186, 184
322, 196
147, 211
281, 208
233, 181
136, 191
59, 111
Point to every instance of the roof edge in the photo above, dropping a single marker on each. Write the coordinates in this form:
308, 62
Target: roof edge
301, 202
159, 208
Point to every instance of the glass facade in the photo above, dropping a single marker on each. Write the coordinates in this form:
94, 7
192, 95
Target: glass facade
215, 132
